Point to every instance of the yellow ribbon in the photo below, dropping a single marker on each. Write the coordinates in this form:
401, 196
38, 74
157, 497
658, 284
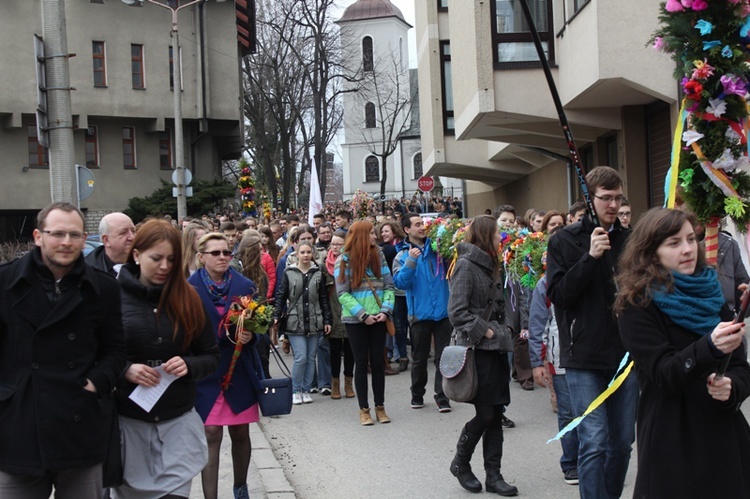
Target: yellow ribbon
673, 173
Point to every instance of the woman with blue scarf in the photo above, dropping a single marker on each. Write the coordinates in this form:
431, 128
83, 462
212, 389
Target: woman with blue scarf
693, 441
218, 286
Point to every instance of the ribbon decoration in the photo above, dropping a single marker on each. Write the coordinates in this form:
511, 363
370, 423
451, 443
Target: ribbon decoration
670, 184
718, 177
617, 380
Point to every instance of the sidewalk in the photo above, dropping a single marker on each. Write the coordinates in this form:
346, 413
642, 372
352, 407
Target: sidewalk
265, 479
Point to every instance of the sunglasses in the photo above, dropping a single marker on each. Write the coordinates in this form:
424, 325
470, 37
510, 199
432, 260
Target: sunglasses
216, 253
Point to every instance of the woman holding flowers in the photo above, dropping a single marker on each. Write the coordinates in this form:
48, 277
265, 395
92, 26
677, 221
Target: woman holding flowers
302, 293
476, 309
218, 286
166, 333
693, 440
365, 289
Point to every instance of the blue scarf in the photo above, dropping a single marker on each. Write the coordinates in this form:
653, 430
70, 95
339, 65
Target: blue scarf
218, 291
695, 302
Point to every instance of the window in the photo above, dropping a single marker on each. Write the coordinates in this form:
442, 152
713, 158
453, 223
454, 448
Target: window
100, 64
372, 169
92, 147
442, 5
136, 64
128, 147
610, 144
38, 155
513, 46
165, 149
171, 70
449, 124
370, 115
367, 59
417, 165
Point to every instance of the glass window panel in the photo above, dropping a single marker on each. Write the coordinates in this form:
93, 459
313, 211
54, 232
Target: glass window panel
519, 52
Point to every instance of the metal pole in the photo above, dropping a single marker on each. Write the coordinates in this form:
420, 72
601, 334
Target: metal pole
60, 115
179, 148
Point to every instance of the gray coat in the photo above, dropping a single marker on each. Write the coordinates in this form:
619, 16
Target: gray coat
472, 289
730, 269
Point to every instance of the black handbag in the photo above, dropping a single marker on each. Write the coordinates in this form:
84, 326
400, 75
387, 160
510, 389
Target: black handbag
275, 394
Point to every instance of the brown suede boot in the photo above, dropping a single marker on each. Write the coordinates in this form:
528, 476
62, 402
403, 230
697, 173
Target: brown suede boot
348, 390
389, 371
380, 414
364, 417
336, 389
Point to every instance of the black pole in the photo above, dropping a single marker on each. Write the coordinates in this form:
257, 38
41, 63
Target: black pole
572, 149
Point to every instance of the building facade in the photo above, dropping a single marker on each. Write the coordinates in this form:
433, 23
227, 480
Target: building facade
122, 105
487, 115
383, 109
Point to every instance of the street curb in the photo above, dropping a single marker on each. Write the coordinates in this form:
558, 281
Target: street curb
270, 471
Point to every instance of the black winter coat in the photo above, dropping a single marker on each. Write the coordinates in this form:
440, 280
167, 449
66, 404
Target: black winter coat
582, 288
48, 422
689, 445
149, 340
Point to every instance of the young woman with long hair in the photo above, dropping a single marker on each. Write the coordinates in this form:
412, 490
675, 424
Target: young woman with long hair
190, 235
266, 239
361, 273
476, 309
218, 286
166, 332
693, 441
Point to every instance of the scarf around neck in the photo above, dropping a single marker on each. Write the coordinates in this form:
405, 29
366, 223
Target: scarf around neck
330, 261
695, 302
218, 291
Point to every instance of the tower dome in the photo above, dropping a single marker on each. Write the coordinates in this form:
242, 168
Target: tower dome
371, 9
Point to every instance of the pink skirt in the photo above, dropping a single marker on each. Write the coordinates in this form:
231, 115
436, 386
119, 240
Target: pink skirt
222, 414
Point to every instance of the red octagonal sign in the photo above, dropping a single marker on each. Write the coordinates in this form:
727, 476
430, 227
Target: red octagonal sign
426, 184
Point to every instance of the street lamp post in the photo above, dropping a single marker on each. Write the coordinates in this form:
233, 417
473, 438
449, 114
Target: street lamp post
177, 81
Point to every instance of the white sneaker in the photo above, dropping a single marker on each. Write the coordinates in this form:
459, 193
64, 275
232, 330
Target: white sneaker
297, 398
306, 398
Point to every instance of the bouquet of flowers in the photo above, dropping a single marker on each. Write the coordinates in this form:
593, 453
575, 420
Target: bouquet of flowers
246, 314
709, 42
442, 232
525, 258
361, 203
246, 185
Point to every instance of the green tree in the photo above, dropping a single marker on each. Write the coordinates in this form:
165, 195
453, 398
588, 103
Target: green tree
207, 196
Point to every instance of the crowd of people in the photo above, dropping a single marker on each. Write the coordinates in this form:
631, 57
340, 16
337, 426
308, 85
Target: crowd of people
369, 296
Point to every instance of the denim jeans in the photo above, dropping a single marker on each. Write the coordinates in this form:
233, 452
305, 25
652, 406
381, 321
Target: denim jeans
401, 322
422, 334
304, 349
606, 435
565, 414
323, 374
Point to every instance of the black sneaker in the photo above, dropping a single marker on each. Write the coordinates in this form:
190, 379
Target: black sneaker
325, 391
417, 402
571, 476
443, 405
508, 423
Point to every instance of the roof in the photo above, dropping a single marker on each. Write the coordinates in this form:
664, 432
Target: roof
371, 9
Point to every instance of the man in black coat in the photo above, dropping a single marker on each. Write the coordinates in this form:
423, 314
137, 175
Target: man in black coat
116, 231
580, 275
61, 348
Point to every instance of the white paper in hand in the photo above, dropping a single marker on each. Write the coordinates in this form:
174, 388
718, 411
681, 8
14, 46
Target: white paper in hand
147, 396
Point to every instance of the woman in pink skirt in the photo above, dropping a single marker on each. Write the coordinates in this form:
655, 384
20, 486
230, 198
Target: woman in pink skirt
218, 285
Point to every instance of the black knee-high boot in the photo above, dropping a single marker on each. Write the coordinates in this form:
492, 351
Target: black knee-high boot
461, 464
492, 445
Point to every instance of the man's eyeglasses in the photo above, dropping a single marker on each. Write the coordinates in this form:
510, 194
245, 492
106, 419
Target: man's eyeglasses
61, 234
216, 253
608, 199
624, 214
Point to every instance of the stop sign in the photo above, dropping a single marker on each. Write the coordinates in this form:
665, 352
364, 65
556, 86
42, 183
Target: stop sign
426, 184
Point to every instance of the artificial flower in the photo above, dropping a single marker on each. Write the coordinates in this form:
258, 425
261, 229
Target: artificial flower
693, 90
704, 27
699, 5
733, 84
659, 43
745, 28
691, 136
702, 70
717, 107
727, 51
711, 44
734, 206
687, 178
725, 161
674, 6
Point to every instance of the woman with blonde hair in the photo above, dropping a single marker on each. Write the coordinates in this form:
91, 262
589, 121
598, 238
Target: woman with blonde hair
190, 235
365, 289
166, 334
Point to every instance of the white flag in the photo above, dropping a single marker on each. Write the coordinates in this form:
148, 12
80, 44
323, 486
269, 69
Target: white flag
316, 200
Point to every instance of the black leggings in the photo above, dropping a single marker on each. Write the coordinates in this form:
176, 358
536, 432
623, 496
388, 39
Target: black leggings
339, 345
487, 417
367, 345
